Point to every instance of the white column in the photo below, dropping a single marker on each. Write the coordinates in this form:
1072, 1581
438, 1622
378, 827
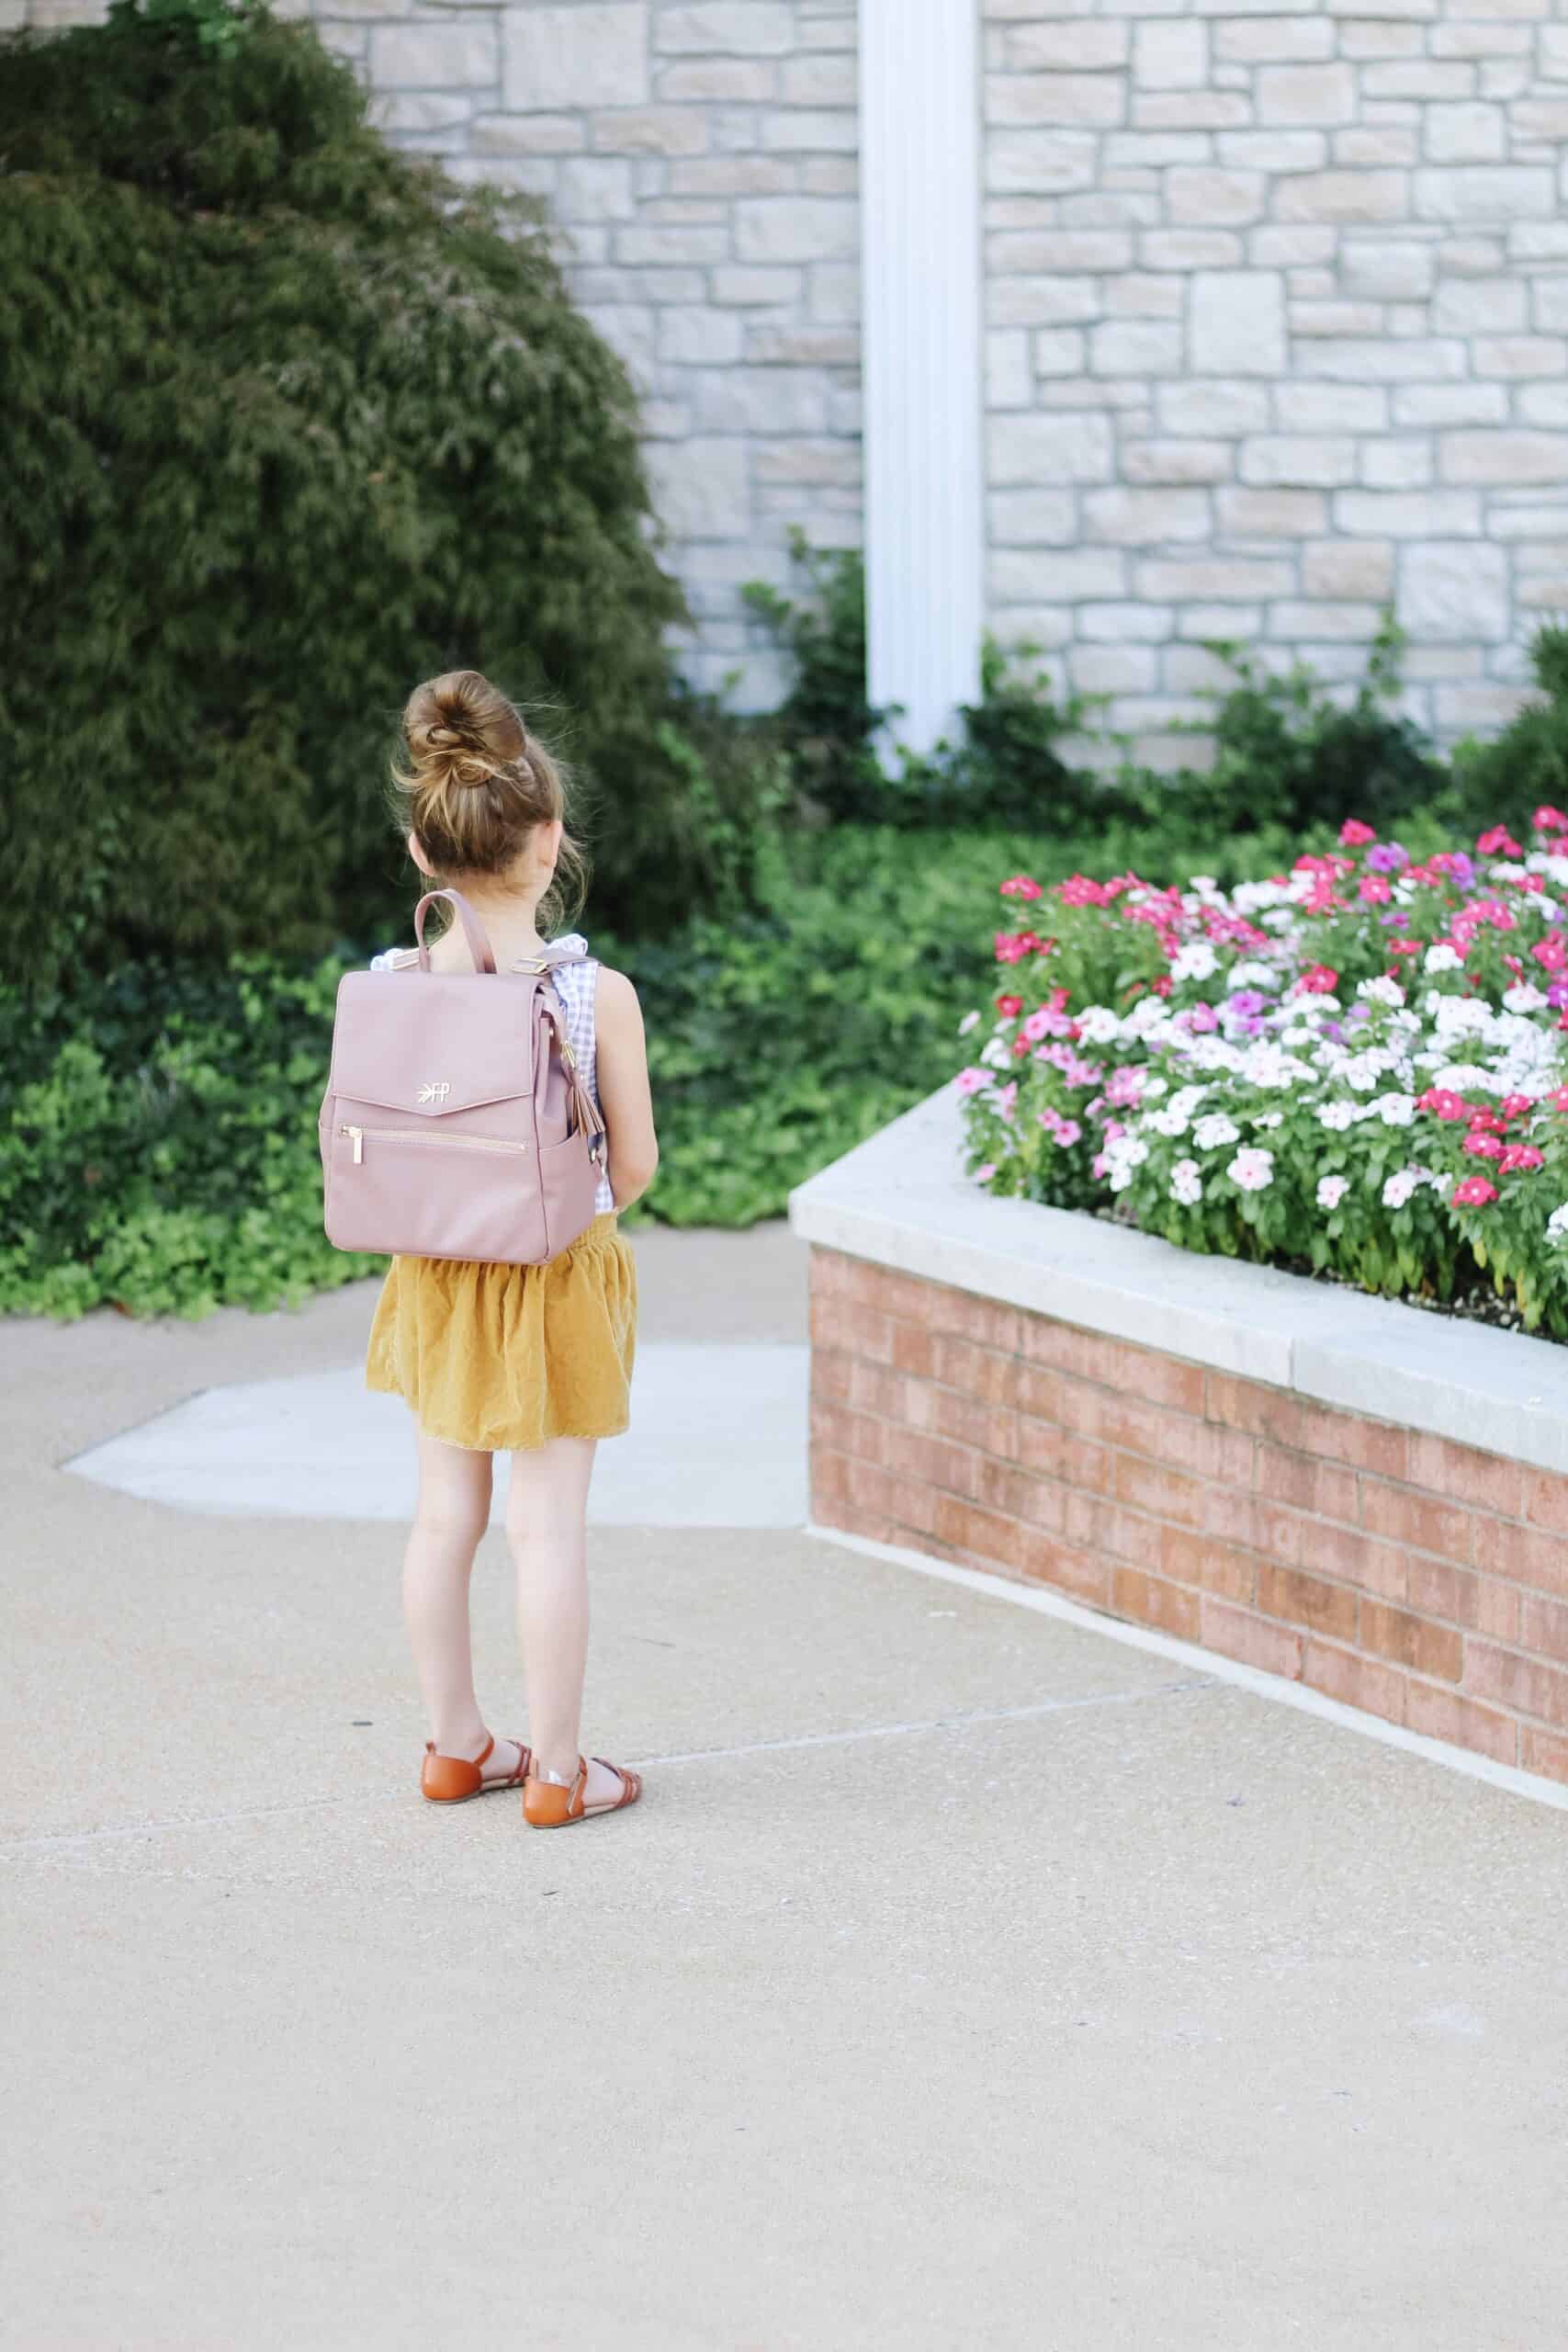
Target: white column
920, 306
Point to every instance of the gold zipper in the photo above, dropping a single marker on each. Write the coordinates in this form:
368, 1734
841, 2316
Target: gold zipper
417, 1135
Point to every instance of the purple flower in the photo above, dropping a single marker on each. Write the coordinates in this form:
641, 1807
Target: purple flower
1557, 995
1246, 1004
1387, 857
1461, 870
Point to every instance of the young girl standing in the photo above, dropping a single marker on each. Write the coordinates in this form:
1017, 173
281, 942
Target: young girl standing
533, 1361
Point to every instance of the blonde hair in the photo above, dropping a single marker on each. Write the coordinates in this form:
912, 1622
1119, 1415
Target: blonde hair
477, 786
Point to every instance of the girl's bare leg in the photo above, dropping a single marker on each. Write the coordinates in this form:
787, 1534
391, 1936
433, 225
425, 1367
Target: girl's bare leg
450, 1519
546, 1515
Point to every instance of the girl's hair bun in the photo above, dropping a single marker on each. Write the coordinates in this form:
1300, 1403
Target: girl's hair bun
460, 730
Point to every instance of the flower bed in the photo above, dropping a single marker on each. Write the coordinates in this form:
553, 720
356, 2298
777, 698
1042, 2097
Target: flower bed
1357, 1067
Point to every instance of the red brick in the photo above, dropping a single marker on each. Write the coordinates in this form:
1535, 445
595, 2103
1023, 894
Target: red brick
1002, 1487
1307, 1483
915, 1507
1415, 1641
1236, 1633
871, 1489
1443, 1715
843, 1431
1546, 1501
1356, 1680
914, 1350
1497, 1610
1488, 1481
1437, 1590
829, 1482
983, 1533
985, 1322
828, 1271
1127, 1534
848, 1520
1260, 1411
1199, 1560
1298, 1600
978, 1372
1375, 1446
1419, 1519
1164, 1493
1541, 1751
1523, 1555
1084, 1574
1089, 1521
832, 1374
1521, 1683
1112, 1364
887, 1292
1150, 1601
915, 1453
967, 1420
1543, 1627
1351, 1557
1038, 1393
877, 1389
1057, 1453
858, 1329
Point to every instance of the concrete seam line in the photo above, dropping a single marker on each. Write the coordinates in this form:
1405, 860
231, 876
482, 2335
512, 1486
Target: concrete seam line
51, 1843
1219, 1669
934, 1723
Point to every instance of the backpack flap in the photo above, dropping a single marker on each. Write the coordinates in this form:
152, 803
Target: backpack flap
427, 1055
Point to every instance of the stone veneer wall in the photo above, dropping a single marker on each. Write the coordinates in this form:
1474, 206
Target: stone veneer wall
1278, 302
699, 159
1424, 1581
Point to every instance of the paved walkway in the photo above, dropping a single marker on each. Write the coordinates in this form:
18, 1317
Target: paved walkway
966, 1978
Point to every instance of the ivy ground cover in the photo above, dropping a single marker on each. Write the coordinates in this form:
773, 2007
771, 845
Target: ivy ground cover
1357, 1067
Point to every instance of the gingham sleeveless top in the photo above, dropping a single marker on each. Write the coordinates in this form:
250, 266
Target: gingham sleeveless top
577, 984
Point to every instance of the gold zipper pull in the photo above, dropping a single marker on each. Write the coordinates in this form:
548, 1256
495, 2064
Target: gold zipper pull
357, 1137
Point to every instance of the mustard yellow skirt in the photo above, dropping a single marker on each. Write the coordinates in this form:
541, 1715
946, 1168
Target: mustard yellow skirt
497, 1357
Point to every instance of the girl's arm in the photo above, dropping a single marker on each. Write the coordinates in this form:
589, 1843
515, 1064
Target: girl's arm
624, 1095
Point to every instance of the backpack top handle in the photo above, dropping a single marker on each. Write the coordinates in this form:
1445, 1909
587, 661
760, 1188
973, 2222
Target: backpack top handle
473, 930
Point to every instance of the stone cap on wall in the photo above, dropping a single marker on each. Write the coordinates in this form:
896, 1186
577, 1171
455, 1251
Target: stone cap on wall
902, 1200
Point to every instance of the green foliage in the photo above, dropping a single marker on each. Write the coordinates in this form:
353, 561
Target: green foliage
292, 421
1288, 753
1526, 765
158, 1126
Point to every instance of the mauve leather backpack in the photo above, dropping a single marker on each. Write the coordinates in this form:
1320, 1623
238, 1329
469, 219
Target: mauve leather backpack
455, 1123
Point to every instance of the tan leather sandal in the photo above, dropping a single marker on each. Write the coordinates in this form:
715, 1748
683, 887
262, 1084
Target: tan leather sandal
449, 1779
551, 1804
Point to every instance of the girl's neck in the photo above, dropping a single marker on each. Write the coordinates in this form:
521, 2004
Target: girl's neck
510, 918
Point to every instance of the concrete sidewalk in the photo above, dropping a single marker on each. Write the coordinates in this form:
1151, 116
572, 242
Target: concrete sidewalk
966, 1978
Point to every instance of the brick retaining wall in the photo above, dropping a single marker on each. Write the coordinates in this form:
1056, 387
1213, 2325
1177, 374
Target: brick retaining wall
1422, 1580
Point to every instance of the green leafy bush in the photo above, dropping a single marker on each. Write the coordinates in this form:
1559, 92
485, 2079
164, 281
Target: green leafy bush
292, 421
158, 1125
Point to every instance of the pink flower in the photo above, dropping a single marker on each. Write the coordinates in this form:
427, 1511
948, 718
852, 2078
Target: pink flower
1069, 1131
1548, 819
1444, 1102
1078, 890
1473, 1194
1375, 890
1006, 1097
1010, 1007
1022, 886
1319, 979
1482, 1147
1519, 1156
1013, 945
1551, 954
970, 1081
1498, 841
1353, 835
984, 1175
1514, 1107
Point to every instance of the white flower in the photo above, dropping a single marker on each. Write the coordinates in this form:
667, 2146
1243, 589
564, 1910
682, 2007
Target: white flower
1396, 1110
1400, 1186
970, 1021
1297, 1035
1270, 1119
1557, 1224
1338, 1114
1383, 991
1099, 1025
1196, 961
1442, 958
1254, 976
1331, 1191
996, 1054
1187, 1098
1154, 1088
1185, 1184
1205, 885
1252, 1170
1166, 1122
1523, 998
1212, 1134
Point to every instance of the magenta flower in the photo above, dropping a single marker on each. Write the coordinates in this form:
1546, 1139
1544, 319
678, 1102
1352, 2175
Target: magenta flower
1353, 835
1022, 886
1475, 1192
1521, 1155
